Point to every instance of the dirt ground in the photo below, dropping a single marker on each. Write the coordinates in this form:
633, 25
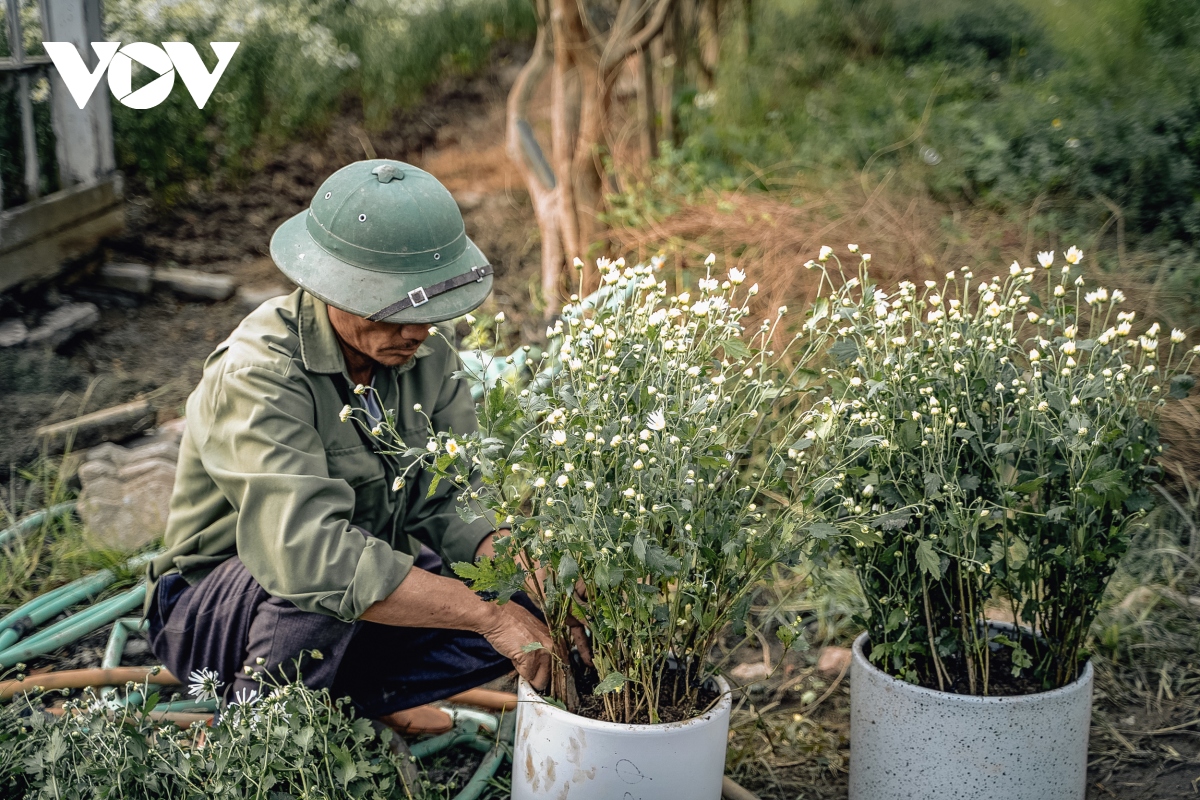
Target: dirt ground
786, 747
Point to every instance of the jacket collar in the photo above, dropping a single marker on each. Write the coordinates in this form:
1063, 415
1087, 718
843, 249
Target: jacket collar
319, 346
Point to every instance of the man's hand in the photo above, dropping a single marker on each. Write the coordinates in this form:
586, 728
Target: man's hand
514, 630
535, 587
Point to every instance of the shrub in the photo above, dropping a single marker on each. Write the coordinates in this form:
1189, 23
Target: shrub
297, 63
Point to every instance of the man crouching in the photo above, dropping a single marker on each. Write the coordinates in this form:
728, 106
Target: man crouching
285, 535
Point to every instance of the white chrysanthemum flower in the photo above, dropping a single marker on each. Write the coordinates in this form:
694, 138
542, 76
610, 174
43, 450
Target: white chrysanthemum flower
377, 431
589, 437
853, 248
826, 252
1074, 255
1033, 316
360, 389
700, 309
417, 407
1124, 328
856, 381
559, 437
539, 482
958, 368
1014, 268
718, 379
638, 464
1000, 387
500, 317
616, 440
1118, 296
398, 484
736, 276
562, 481
782, 310
589, 485
1069, 347
993, 310
693, 371
1059, 290
1177, 335
657, 421
1148, 344
452, 447
205, 684
630, 493
712, 259
245, 697
345, 413
1035, 356
432, 445
470, 318
1046, 258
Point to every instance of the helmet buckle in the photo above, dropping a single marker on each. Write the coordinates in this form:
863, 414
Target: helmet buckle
478, 273
418, 297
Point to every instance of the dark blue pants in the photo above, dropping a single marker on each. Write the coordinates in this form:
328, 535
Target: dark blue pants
227, 622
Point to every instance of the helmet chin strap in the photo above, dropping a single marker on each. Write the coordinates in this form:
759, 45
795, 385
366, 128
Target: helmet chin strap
420, 296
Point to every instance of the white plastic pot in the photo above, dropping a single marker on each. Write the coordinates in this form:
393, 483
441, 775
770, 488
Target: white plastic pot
563, 756
910, 742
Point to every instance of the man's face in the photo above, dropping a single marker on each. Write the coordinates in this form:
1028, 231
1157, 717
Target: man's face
384, 342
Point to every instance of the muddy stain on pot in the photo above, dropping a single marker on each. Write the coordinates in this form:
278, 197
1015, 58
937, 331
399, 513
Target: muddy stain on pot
566, 789
530, 775
548, 769
574, 752
582, 775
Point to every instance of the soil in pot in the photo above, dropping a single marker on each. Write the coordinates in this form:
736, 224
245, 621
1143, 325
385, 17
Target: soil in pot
1001, 682
674, 705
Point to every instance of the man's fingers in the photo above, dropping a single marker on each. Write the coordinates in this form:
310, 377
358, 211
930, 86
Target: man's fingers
579, 636
542, 677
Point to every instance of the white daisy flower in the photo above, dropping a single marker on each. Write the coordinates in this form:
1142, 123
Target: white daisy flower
559, 437
657, 421
1046, 258
204, 684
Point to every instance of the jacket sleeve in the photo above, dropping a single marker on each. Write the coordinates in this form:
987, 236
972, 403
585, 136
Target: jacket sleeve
261, 447
435, 520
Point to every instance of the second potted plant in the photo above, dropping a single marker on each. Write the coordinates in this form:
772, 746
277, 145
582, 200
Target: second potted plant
1004, 440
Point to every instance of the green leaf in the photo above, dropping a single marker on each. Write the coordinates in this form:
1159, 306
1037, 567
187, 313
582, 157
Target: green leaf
821, 530
928, 561
611, 682
736, 348
532, 647
568, 568
1029, 487
910, 435
1181, 386
1111, 484
844, 351
933, 483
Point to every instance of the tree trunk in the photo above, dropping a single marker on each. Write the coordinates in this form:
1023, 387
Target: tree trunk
648, 102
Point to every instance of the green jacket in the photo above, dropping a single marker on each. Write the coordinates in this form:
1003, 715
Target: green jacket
269, 473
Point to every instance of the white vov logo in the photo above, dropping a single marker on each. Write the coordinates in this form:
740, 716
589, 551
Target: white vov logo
118, 60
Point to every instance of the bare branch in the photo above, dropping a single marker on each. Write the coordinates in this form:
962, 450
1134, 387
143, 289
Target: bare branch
635, 43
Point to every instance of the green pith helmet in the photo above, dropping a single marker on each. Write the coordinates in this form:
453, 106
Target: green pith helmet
384, 240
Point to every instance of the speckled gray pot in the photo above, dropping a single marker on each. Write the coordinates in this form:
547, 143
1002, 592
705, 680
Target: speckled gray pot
911, 742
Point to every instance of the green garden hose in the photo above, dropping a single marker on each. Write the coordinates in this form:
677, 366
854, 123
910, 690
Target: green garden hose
34, 521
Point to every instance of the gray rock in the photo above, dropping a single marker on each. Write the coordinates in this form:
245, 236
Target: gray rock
12, 333
126, 493
193, 284
136, 278
63, 324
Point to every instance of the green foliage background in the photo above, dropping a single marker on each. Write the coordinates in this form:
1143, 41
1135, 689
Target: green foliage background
1077, 106
300, 62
